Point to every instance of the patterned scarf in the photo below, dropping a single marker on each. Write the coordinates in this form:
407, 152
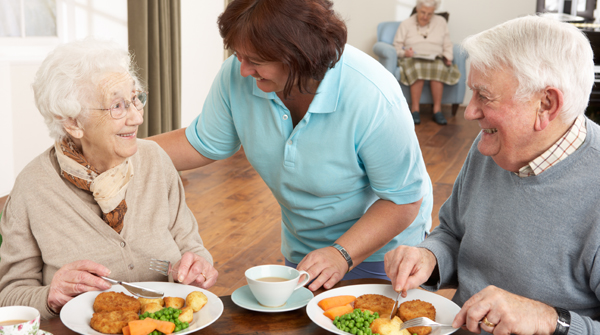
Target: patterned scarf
108, 188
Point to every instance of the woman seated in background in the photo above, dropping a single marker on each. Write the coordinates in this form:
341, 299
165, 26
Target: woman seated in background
99, 202
421, 35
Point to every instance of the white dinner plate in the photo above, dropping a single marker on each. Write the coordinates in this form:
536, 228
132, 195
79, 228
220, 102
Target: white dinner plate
77, 313
445, 309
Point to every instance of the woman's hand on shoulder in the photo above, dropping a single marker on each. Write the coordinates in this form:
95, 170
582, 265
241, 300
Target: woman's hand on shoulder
195, 270
409, 267
75, 278
326, 267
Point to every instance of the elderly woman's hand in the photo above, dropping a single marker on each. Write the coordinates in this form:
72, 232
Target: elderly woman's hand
409, 267
447, 61
409, 52
75, 278
195, 270
505, 313
326, 267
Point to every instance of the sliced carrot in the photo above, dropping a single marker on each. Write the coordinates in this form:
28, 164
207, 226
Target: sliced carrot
126, 330
165, 327
336, 311
142, 327
336, 301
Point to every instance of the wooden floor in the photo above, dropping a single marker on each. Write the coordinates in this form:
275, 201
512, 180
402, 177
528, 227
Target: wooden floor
240, 220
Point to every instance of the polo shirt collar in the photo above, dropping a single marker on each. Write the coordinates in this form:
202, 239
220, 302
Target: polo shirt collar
328, 92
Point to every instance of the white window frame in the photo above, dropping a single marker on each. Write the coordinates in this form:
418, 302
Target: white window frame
25, 49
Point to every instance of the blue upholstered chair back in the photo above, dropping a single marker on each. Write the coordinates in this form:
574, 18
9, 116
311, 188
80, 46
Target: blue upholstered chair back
386, 31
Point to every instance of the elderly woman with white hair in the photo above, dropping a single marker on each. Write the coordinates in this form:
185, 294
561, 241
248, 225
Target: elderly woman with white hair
99, 202
424, 51
519, 237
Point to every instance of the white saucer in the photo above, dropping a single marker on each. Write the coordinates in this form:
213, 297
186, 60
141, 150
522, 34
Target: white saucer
244, 298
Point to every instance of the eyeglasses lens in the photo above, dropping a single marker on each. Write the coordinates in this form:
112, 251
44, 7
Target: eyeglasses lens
119, 110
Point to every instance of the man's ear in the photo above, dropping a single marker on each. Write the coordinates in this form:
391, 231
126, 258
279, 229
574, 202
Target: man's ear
551, 104
74, 128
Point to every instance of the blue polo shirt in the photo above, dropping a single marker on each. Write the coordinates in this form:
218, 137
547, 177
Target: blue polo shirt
355, 145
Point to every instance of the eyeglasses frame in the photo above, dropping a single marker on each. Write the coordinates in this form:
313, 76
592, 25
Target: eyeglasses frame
128, 104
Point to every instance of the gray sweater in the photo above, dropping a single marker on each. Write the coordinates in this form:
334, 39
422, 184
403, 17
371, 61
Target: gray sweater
537, 237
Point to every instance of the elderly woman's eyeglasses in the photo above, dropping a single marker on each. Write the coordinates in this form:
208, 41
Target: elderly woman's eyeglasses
119, 110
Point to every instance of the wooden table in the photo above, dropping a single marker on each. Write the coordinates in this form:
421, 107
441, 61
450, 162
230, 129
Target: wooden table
237, 320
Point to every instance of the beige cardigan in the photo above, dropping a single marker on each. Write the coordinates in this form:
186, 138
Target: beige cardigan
437, 42
48, 222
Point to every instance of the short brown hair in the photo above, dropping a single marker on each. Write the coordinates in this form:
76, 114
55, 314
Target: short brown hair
305, 35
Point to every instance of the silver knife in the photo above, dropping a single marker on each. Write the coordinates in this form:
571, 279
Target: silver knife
136, 290
396, 306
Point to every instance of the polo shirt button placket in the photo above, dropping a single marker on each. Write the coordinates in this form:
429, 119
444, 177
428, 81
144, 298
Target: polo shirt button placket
285, 117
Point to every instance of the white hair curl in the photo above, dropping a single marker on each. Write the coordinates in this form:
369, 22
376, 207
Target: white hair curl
69, 76
541, 52
428, 3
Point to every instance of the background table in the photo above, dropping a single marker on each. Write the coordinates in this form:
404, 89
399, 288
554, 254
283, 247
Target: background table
237, 320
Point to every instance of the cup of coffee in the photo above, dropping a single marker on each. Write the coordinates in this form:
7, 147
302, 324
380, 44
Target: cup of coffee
273, 285
19, 320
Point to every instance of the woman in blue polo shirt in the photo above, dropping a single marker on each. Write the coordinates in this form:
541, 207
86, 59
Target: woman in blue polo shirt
328, 130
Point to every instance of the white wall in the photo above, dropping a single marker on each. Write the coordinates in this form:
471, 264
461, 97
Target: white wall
201, 55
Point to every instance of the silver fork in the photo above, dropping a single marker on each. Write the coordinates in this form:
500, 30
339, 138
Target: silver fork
422, 322
161, 266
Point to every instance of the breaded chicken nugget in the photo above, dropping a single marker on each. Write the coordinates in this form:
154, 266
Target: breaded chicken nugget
196, 300
152, 307
112, 322
375, 303
115, 301
144, 301
414, 309
187, 314
175, 302
385, 326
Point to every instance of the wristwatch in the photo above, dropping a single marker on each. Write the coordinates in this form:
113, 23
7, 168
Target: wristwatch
344, 253
563, 323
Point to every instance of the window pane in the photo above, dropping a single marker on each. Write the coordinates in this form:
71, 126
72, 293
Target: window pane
10, 18
40, 18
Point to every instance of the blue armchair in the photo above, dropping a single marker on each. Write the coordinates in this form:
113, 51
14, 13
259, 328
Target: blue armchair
385, 51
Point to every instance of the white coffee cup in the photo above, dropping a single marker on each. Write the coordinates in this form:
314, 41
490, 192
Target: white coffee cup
274, 293
20, 320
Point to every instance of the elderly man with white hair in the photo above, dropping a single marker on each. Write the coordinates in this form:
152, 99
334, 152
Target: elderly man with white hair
520, 234
99, 202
